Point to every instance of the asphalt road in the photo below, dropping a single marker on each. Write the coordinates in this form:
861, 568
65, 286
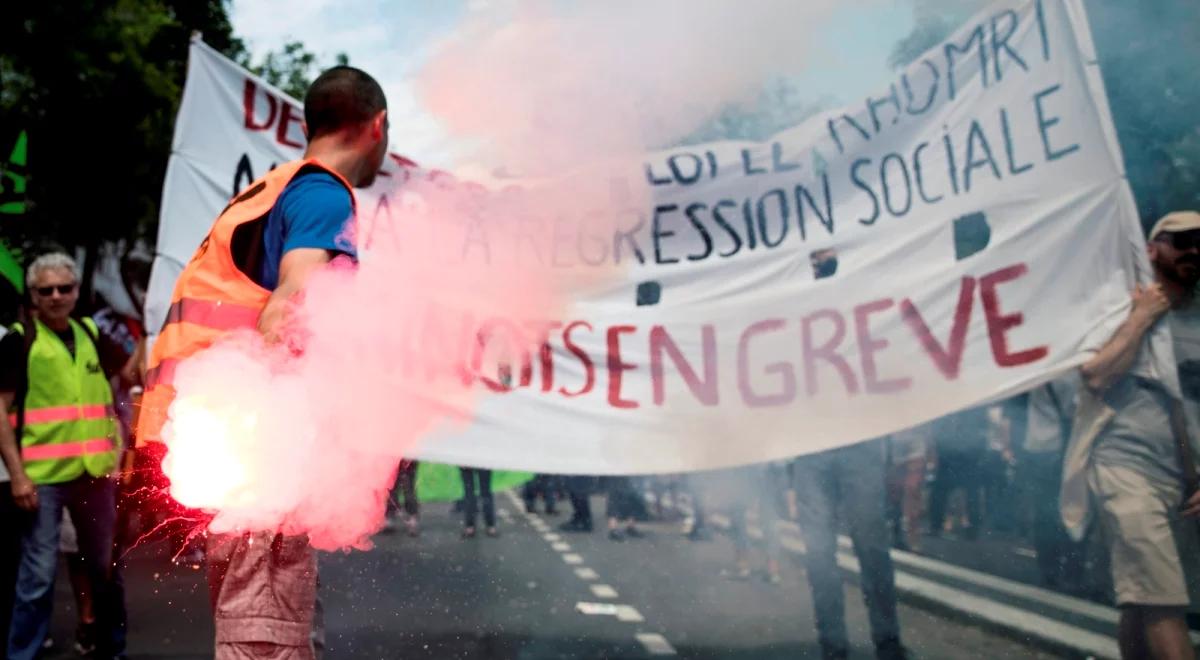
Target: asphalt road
521, 596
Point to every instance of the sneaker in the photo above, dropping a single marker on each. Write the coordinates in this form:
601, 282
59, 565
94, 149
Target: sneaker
413, 526
891, 649
389, 525
634, 533
468, 533
492, 532
616, 535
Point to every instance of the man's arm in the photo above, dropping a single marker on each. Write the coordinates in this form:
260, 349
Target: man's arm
1116, 357
294, 269
23, 490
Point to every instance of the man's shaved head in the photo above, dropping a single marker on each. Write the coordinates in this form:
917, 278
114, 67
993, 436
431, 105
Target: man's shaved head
340, 97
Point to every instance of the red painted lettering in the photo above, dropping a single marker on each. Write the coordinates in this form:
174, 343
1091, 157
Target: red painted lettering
999, 323
541, 338
589, 369
249, 94
868, 346
616, 368
706, 391
948, 360
784, 370
827, 351
287, 117
513, 341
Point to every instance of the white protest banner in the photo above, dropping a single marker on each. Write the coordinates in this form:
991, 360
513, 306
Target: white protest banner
965, 234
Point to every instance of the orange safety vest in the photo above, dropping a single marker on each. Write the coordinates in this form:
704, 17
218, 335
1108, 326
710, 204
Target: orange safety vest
213, 296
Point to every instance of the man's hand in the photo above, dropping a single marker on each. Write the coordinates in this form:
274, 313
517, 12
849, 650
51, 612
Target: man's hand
1150, 302
294, 270
1116, 357
1191, 506
24, 492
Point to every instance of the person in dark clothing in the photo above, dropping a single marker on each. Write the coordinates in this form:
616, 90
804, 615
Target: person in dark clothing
845, 487
406, 486
473, 478
578, 490
623, 507
544, 485
961, 441
1050, 413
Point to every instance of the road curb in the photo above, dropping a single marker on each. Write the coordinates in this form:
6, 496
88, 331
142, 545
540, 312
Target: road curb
1037, 630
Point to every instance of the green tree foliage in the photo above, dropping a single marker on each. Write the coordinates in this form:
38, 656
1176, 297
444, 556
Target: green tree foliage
781, 104
1148, 53
95, 85
291, 69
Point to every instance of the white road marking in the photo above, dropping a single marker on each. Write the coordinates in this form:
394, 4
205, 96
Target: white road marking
585, 573
551, 537
629, 614
572, 558
597, 609
604, 591
655, 644
622, 612
561, 547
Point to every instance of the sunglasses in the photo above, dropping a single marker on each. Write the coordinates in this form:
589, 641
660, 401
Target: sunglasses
62, 289
1186, 240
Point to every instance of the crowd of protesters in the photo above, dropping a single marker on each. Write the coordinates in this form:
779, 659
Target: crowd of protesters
1009, 472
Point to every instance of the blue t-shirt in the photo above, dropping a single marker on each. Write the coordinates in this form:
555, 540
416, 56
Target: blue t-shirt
311, 212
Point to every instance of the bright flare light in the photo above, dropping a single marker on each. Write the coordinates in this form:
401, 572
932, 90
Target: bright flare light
204, 462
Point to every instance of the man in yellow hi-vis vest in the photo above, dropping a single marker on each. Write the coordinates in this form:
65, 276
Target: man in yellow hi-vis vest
60, 444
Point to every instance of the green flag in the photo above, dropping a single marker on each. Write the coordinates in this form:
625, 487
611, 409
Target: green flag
12, 179
441, 483
10, 269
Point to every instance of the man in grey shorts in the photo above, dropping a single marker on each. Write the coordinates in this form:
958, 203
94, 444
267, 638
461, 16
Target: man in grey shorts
1130, 452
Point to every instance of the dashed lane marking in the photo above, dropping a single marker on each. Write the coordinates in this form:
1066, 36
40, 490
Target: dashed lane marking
604, 591
628, 614
585, 573
623, 612
572, 558
655, 644
561, 547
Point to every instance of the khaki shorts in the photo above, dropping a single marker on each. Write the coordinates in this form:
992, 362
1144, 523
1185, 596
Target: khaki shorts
264, 589
1153, 548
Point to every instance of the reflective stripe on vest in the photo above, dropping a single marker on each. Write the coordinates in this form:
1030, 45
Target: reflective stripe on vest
215, 314
68, 449
63, 414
